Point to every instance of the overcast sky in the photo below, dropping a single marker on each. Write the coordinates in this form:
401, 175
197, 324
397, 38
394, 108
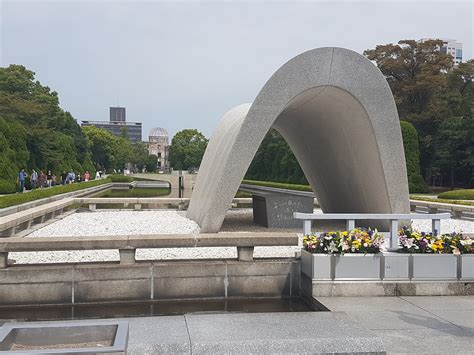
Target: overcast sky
184, 64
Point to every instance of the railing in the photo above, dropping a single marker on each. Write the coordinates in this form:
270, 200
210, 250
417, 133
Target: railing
394, 219
127, 244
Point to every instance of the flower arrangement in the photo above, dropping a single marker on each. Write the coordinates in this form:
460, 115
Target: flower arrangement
358, 240
413, 241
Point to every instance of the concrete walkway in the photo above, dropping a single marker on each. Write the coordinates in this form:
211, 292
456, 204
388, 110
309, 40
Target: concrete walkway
398, 325
407, 325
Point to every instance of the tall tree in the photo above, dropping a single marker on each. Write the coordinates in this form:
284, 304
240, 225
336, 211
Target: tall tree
429, 93
187, 149
34, 131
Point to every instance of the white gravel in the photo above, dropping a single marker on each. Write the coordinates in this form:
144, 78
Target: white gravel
170, 222
88, 224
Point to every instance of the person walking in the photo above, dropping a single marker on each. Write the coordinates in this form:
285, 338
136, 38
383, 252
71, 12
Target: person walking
33, 179
41, 179
64, 178
49, 178
97, 175
53, 179
21, 179
87, 176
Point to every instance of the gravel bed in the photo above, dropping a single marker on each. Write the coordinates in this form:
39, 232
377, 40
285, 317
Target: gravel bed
87, 224
174, 222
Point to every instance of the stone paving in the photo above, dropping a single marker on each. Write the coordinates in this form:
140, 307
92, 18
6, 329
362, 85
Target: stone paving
407, 325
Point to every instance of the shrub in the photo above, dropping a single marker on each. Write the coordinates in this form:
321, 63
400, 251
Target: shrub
17, 199
120, 178
7, 187
467, 194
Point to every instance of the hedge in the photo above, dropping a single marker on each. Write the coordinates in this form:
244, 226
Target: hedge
442, 200
7, 187
412, 158
279, 185
467, 194
120, 178
19, 198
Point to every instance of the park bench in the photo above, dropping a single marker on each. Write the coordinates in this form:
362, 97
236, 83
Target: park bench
127, 244
394, 219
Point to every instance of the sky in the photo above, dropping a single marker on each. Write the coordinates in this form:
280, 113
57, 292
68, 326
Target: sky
184, 64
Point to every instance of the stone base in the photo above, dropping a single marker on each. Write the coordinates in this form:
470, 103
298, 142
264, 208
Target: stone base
143, 281
385, 288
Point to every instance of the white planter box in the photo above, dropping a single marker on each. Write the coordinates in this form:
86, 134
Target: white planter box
396, 266
316, 266
467, 266
434, 266
357, 267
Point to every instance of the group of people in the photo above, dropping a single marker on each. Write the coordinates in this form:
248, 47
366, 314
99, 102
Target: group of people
41, 180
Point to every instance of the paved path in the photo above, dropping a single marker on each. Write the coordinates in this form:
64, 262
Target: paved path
434, 325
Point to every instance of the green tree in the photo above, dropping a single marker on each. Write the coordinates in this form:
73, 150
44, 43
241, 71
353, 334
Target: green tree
430, 94
34, 131
187, 149
108, 151
412, 158
274, 161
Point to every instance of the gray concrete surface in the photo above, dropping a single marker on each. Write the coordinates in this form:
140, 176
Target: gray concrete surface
405, 325
431, 325
301, 332
324, 102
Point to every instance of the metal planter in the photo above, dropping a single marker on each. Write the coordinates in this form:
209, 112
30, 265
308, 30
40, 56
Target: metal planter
434, 267
357, 267
466, 266
396, 266
316, 266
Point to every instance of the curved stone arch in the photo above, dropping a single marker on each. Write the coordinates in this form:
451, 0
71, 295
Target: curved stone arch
337, 113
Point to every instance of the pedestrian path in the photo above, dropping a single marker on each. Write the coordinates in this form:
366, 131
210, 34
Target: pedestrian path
417, 324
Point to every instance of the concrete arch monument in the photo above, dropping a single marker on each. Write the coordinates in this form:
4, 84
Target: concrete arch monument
337, 113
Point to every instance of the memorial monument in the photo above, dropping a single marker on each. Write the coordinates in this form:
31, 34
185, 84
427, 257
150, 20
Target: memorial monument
337, 113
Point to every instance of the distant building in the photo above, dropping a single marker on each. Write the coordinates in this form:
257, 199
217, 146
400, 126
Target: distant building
158, 144
450, 46
117, 114
118, 125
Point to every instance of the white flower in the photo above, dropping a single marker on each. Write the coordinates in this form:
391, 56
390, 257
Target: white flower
332, 247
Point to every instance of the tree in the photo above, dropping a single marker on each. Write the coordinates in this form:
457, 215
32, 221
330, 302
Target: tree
429, 93
187, 149
34, 131
108, 151
412, 158
274, 161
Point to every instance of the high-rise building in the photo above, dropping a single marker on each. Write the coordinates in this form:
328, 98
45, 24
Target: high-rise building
450, 46
117, 114
118, 125
158, 144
